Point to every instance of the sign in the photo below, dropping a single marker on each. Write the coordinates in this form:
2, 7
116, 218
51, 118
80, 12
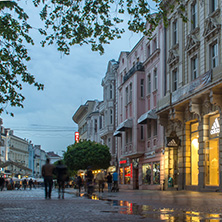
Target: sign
122, 162
76, 137
214, 126
173, 142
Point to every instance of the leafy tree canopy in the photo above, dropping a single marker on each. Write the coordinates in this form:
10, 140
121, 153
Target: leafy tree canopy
67, 22
87, 153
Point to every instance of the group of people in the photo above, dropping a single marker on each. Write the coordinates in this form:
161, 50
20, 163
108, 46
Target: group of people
61, 173
100, 179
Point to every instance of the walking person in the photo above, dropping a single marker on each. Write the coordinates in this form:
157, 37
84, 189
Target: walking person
79, 183
2, 182
62, 177
115, 181
24, 183
47, 173
89, 180
30, 183
100, 178
109, 181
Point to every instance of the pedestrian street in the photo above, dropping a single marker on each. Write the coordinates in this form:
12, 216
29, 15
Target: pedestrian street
126, 205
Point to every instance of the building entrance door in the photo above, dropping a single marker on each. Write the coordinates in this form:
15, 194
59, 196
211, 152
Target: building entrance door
136, 179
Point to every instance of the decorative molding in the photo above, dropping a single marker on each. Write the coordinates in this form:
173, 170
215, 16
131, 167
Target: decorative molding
163, 121
192, 44
176, 115
216, 99
173, 57
206, 107
195, 108
212, 28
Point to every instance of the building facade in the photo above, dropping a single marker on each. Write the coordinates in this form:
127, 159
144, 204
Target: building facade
107, 111
191, 107
87, 118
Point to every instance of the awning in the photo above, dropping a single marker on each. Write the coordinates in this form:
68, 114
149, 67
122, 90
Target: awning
151, 114
117, 133
128, 123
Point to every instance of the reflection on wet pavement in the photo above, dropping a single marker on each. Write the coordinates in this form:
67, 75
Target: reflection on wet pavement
162, 214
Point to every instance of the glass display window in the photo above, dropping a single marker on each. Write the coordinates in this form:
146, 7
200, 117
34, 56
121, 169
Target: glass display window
156, 173
146, 173
127, 175
194, 153
212, 152
121, 175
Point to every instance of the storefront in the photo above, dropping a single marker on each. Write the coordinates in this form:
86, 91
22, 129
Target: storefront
125, 174
152, 170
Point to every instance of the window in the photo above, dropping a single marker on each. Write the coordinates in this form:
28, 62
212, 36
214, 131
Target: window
148, 51
174, 75
175, 32
149, 129
194, 15
194, 153
194, 68
149, 84
142, 88
146, 173
155, 79
127, 95
100, 122
111, 91
95, 125
111, 116
156, 173
142, 133
154, 44
214, 55
155, 128
130, 92
213, 5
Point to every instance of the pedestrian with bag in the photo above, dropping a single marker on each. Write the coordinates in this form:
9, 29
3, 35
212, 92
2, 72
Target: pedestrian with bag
79, 183
47, 173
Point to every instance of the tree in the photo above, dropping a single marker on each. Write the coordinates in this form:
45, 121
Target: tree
68, 22
87, 153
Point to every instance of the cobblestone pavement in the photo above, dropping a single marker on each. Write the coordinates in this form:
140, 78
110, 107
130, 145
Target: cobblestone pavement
126, 205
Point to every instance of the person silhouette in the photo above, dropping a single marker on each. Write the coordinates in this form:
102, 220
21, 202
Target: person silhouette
47, 173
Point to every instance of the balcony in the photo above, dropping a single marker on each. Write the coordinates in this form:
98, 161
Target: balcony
138, 67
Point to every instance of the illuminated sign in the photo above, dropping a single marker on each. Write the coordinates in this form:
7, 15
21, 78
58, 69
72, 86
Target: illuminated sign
215, 127
77, 137
173, 142
122, 162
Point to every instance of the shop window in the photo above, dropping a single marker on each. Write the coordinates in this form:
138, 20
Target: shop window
156, 173
146, 171
194, 154
121, 175
212, 152
127, 175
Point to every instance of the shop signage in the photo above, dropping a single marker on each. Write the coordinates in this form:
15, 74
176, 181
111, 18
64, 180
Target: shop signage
76, 137
173, 142
215, 128
122, 162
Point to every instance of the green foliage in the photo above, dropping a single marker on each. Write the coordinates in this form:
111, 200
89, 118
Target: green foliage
69, 22
14, 55
86, 153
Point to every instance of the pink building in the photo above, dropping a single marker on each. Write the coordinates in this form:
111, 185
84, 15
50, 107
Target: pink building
139, 136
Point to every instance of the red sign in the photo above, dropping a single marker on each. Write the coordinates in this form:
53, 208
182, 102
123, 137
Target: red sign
77, 137
122, 162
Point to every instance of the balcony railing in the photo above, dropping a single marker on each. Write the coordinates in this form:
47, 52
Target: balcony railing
137, 67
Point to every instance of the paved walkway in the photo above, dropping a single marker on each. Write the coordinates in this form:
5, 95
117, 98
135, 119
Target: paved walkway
126, 205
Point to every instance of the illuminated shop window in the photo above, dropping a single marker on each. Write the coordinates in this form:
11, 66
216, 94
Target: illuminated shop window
127, 175
146, 171
121, 175
194, 154
212, 152
156, 173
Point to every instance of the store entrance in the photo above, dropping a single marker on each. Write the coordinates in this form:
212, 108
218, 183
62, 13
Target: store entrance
136, 179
